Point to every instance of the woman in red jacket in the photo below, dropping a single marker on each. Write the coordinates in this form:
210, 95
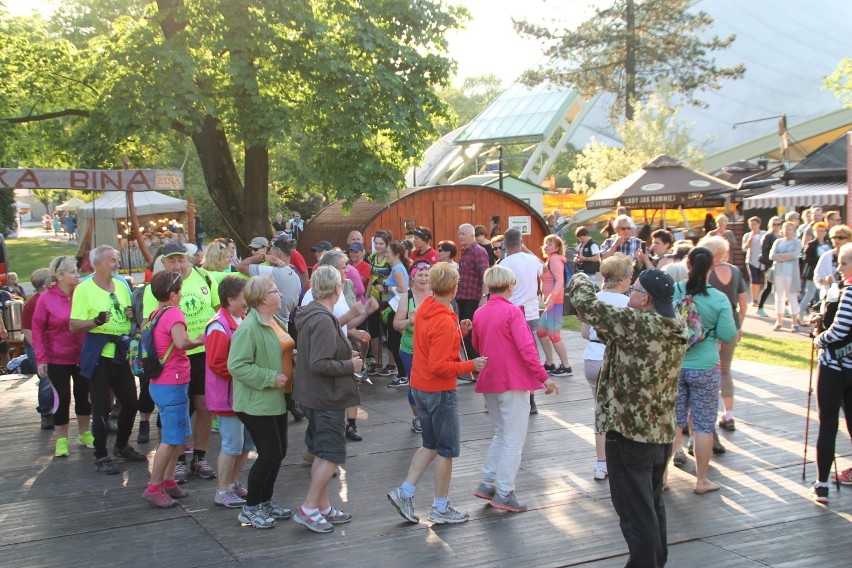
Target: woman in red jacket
437, 341
236, 441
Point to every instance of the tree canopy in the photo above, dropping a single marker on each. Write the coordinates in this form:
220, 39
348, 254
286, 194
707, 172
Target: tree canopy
840, 81
336, 96
628, 48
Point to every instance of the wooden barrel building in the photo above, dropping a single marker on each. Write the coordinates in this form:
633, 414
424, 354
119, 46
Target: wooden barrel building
441, 208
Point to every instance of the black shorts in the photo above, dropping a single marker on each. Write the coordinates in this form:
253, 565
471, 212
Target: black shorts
325, 434
374, 322
197, 373
755, 275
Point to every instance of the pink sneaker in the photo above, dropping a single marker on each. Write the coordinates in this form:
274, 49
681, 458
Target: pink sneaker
158, 498
845, 477
238, 489
175, 491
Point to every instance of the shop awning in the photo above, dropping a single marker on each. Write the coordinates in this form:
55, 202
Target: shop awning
800, 195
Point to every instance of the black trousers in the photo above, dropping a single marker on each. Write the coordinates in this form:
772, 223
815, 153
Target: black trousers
466, 310
636, 471
394, 338
269, 434
60, 376
834, 391
117, 377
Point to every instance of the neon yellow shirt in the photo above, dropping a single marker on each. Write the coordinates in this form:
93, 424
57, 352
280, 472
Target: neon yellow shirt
198, 302
90, 299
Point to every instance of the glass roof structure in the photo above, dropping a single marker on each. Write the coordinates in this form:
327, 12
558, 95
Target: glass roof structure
519, 114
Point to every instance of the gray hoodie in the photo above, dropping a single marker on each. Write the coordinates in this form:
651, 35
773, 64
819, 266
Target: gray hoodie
324, 377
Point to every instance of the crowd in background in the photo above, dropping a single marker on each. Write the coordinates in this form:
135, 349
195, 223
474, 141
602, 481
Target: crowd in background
225, 330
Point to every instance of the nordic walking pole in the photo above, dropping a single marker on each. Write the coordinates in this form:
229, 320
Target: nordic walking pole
808, 415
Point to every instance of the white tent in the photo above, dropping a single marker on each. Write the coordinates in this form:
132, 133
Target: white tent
105, 211
70, 205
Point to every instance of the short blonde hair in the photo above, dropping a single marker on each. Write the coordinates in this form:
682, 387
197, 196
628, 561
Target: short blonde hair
443, 278
499, 278
789, 224
840, 230
62, 264
40, 277
845, 251
324, 281
217, 257
722, 219
616, 267
256, 290
717, 245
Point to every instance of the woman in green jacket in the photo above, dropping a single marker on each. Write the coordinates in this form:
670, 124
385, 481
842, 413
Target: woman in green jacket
261, 364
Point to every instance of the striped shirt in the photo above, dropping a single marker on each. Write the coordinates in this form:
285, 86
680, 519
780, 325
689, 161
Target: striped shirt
837, 331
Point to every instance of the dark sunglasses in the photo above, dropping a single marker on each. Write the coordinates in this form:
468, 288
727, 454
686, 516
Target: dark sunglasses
115, 304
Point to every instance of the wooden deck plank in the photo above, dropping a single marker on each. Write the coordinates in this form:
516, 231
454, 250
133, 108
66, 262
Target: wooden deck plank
762, 516
159, 543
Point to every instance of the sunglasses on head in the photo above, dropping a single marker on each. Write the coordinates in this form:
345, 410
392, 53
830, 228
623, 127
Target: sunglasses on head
177, 277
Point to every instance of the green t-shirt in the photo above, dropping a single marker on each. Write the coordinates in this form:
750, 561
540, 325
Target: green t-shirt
198, 303
406, 342
90, 299
219, 276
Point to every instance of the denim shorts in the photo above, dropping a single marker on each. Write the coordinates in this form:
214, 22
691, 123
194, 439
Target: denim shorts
173, 404
324, 436
235, 436
439, 417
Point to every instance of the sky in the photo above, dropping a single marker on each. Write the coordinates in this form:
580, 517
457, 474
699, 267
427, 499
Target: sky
489, 44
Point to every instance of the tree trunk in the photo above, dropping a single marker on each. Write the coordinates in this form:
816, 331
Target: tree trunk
256, 192
630, 60
223, 181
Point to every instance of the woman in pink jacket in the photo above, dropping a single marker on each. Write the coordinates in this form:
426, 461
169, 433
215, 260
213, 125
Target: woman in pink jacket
58, 353
501, 334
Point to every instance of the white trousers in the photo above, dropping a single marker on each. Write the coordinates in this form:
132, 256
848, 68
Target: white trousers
510, 414
783, 287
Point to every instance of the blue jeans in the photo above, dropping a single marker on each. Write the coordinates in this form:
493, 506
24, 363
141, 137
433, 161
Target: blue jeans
439, 417
636, 472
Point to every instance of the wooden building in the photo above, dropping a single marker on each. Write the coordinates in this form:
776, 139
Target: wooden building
440, 208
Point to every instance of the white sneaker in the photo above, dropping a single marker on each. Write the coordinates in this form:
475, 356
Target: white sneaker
600, 473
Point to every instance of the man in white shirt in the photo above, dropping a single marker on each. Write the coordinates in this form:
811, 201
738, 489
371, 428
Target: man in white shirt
527, 269
286, 277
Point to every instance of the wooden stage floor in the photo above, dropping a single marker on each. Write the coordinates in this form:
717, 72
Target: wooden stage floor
61, 512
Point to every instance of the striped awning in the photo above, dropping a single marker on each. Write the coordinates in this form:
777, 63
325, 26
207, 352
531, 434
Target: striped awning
800, 195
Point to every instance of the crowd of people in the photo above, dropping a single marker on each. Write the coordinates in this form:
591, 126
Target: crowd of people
662, 319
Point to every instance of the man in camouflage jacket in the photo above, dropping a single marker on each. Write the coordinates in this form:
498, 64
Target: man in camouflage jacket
637, 386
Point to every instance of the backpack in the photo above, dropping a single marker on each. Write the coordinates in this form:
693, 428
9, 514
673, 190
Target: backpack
137, 302
688, 310
568, 308
144, 362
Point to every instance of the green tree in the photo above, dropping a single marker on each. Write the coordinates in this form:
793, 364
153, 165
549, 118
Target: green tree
631, 46
347, 89
840, 81
655, 130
